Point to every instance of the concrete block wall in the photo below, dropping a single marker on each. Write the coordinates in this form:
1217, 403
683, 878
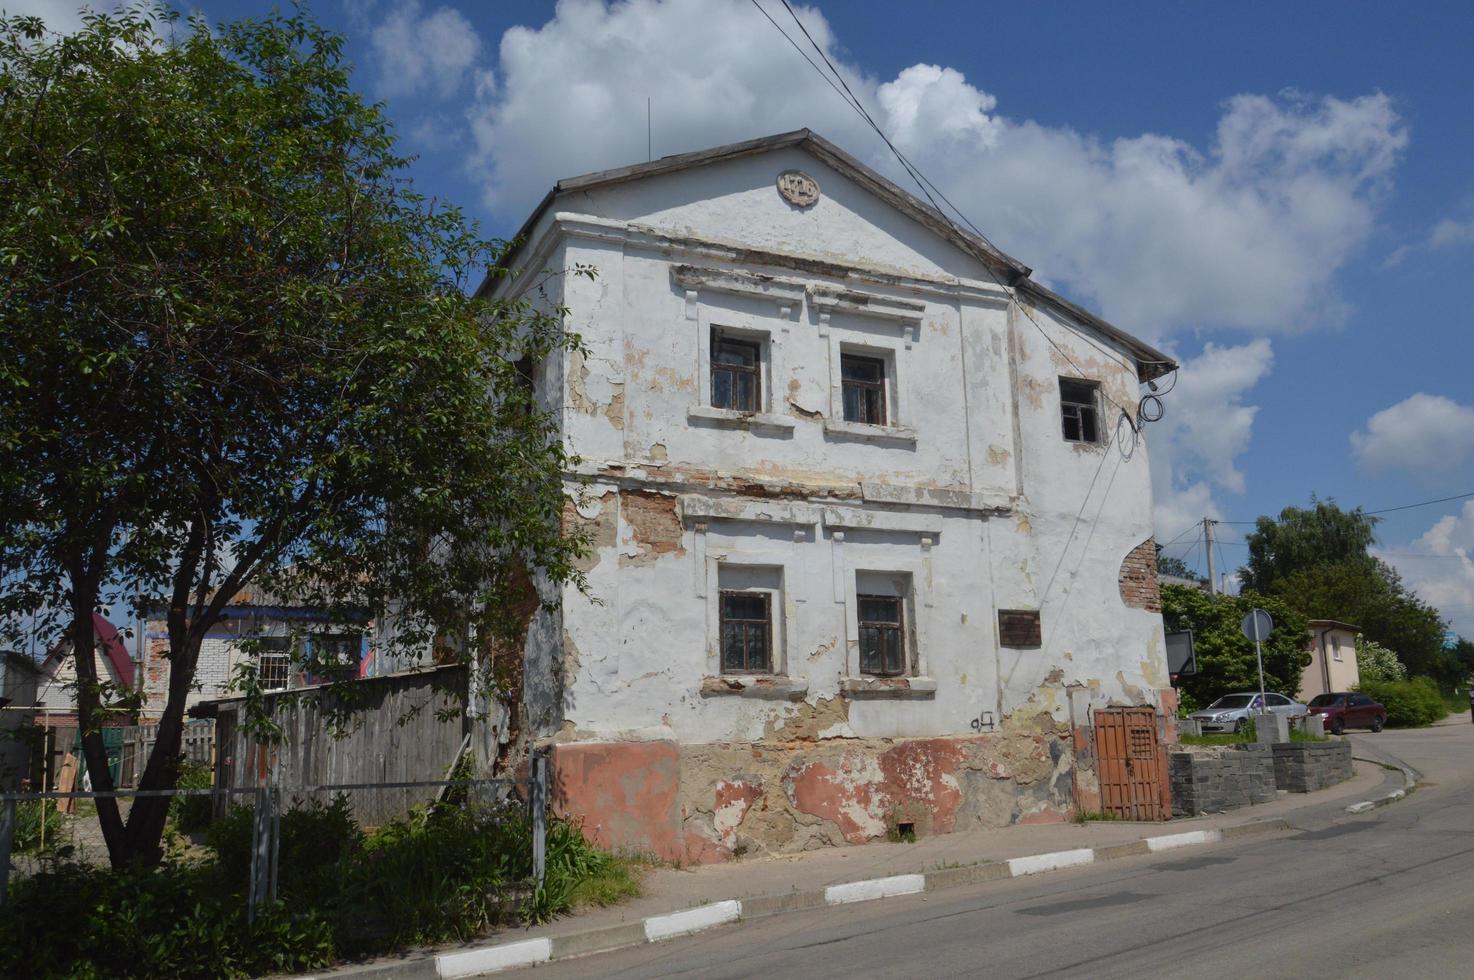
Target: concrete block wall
1240, 775
1212, 783
1303, 767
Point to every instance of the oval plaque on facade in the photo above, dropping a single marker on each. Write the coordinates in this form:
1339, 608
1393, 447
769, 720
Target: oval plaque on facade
798, 188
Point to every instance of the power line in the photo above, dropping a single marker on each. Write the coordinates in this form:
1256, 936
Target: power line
926, 186
1384, 510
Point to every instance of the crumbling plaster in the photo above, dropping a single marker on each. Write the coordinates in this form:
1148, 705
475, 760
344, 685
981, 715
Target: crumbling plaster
983, 506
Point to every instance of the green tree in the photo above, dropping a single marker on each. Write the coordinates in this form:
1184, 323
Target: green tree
1172, 565
1301, 538
1318, 560
238, 347
1226, 660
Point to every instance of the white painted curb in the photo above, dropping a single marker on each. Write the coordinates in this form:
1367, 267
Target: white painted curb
872, 888
1188, 839
1053, 861
1361, 807
659, 927
492, 958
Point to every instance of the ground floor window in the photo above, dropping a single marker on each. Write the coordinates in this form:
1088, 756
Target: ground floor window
882, 637
747, 631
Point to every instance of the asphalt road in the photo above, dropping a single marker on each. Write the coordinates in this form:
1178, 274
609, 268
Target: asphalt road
1385, 894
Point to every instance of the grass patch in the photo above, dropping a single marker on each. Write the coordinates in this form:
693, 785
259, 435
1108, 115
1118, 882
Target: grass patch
1226, 738
1300, 735
1095, 816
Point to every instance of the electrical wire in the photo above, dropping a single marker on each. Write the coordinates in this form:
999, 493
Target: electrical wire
926, 187
1384, 510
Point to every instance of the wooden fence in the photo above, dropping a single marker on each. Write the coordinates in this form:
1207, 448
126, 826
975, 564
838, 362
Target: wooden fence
197, 745
395, 728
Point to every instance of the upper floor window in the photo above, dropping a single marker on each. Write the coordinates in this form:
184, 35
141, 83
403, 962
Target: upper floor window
1079, 410
273, 662
882, 639
747, 630
736, 374
863, 381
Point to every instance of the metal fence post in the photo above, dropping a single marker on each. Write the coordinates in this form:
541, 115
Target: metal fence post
7, 835
538, 798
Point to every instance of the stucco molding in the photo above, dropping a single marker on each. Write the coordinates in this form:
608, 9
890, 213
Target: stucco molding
762, 687
787, 296
852, 303
860, 518
950, 499
696, 507
888, 688
751, 421
870, 433
570, 224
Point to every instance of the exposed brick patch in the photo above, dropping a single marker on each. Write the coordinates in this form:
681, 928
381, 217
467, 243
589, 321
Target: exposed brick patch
1138, 579
654, 524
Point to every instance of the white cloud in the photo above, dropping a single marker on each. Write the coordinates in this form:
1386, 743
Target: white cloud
1420, 433
1152, 231
62, 16
1439, 566
1207, 427
418, 52
1450, 232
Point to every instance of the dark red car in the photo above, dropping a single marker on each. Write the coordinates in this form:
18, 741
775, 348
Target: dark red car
1347, 710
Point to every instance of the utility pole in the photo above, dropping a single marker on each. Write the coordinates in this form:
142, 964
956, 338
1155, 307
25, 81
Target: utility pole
1208, 523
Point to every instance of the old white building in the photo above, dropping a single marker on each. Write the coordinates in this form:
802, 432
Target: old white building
872, 540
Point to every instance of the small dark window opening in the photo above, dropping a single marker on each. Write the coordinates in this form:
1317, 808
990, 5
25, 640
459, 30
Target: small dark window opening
1019, 628
863, 380
747, 629
736, 374
525, 379
1077, 403
274, 662
882, 649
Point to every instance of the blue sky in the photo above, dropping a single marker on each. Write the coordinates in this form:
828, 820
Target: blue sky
1281, 194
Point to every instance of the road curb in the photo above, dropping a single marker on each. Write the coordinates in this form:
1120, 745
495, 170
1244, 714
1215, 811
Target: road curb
496, 957
1388, 761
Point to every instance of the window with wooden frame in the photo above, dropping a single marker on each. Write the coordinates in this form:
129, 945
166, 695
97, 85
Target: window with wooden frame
747, 632
862, 381
1079, 410
736, 373
882, 635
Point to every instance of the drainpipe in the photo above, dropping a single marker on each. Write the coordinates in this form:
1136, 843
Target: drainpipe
1325, 658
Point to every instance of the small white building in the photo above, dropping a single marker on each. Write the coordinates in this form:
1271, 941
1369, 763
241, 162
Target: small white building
871, 537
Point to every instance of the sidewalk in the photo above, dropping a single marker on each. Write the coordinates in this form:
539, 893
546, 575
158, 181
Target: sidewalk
681, 900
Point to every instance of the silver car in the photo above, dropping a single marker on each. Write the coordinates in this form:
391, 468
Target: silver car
1231, 712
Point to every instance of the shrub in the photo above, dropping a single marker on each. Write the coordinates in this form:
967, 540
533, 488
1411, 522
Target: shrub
443, 873
1375, 662
75, 920
1409, 703
28, 817
188, 814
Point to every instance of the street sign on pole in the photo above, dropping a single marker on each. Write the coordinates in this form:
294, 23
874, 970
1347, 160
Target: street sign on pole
1258, 624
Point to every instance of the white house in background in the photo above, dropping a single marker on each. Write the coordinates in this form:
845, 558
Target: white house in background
1333, 667
870, 545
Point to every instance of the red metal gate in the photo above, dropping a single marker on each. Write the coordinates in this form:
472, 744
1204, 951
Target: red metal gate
1131, 764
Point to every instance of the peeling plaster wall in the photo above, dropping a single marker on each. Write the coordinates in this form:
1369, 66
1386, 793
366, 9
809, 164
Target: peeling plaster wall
971, 496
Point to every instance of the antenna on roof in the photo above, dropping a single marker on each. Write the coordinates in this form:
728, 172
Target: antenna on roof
649, 133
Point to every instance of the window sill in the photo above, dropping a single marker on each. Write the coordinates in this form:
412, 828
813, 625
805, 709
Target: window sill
892, 688
870, 433
763, 687
754, 421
